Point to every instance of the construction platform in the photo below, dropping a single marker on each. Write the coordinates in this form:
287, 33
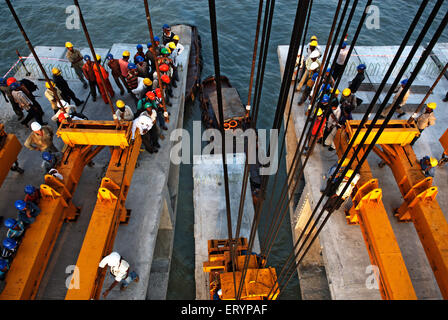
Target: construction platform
210, 219
337, 266
146, 241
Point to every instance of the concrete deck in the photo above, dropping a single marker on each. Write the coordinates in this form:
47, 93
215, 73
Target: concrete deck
210, 220
344, 254
146, 242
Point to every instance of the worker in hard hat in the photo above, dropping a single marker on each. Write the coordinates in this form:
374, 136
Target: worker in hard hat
90, 75
76, 59
145, 126
124, 61
156, 101
4, 267
132, 76
313, 46
27, 211
142, 67
49, 94
124, 112
174, 57
312, 65
429, 165
50, 160
332, 126
144, 85
157, 46
150, 111
41, 139
338, 69
352, 185
26, 104
139, 53
346, 115
317, 131
179, 47
121, 271
105, 75
308, 89
114, 66
400, 103
32, 193
9, 249
7, 94
348, 100
167, 34
335, 100
15, 228
425, 120
326, 177
66, 93
359, 78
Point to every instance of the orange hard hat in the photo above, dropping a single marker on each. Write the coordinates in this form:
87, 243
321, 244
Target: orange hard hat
150, 95
165, 78
164, 67
10, 80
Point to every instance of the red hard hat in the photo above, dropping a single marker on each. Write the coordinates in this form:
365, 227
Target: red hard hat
10, 80
61, 117
165, 78
164, 67
158, 93
150, 95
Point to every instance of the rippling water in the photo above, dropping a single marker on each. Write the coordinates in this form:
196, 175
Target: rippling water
121, 21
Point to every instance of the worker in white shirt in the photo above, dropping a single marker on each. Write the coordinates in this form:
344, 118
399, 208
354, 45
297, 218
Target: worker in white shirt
174, 56
333, 200
400, 103
124, 112
143, 85
148, 131
119, 268
340, 62
179, 47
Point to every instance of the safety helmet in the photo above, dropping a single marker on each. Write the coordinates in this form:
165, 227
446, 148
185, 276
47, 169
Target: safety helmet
315, 75
166, 26
344, 45
120, 104
164, 51
126, 53
10, 223
3, 264
98, 57
165, 78
432, 105
14, 85
62, 117
3, 82
56, 71
314, 54
319, 112
131, 66
147, 82
346, 92
139, 59
148, 105
150, 95
164, 67
35, 126
110, 56
313, 38
149, 45
172, 45
9, 243
139, 46
68, 45
313, 43
349, 173
156, 39
314, 66
87, 57
11, 80
326, 98
29, 189
337, 91
158, 93
404, 82
20, 204
362, 66
434, 162
46, 156
114, 259
176, 37
328, 70
47, 84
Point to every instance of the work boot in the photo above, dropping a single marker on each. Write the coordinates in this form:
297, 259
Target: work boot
162, 137
123, 287
157, 145
122, 92
401, 114
93, 98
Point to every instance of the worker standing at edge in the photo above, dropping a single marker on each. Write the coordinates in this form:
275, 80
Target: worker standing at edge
74, 56
425, 120
41, 139
167, 35
105, 75
359, 78
114, 66
337, 73
400, 103
120, 269
311, 66
90, 75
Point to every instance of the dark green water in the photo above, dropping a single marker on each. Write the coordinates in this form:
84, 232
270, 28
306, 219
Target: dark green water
121, 21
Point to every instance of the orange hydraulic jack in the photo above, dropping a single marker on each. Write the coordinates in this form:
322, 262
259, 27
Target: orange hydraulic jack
9, 150
368, 211
258, 281
421, 207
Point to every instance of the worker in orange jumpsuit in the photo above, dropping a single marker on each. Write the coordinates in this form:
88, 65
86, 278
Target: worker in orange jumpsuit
106, 81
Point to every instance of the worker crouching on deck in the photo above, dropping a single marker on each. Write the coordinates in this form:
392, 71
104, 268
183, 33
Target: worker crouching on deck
28, 211
9, 249
429, 165
120, 269
4, 267
15, 228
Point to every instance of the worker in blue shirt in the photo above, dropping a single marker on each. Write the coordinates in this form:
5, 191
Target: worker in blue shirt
429, 165
28, 211
9, 249
4, 267
15, 228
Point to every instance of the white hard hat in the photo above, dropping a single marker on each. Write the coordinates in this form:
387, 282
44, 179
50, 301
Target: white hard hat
220, 292
315, 54
114, 259
314, 66
35, 126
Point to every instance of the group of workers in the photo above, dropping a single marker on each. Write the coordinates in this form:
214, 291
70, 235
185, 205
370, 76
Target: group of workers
326, 124
139, 77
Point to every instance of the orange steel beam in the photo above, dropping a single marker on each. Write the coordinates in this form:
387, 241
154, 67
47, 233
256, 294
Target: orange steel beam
368, 211
108, 213
9, 150
421, 207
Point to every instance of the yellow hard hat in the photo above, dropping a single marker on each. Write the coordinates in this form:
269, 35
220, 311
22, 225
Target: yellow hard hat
172, 45
349, 173
434, 162
313, 43
120, 104
56, 71
147, 82
47, 84
346, 92
98, 57
126, 53
176, 37
432, 105
319, 112
337, 91
68, 45
313, 38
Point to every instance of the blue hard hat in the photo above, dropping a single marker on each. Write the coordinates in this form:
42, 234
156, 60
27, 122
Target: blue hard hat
110, 56
139, 59
404, 82
14, 85
47, 156
362, 66
166, 26
149, 45
326, 98
139, 46
132, 66
20, 204
344, 45
10, 223
87, 57
2, 81
9, 243
315, 75
29, 189
329, 69
3, 264
156, 38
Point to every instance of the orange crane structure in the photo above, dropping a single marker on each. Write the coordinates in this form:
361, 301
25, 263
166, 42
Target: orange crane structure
9, 150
